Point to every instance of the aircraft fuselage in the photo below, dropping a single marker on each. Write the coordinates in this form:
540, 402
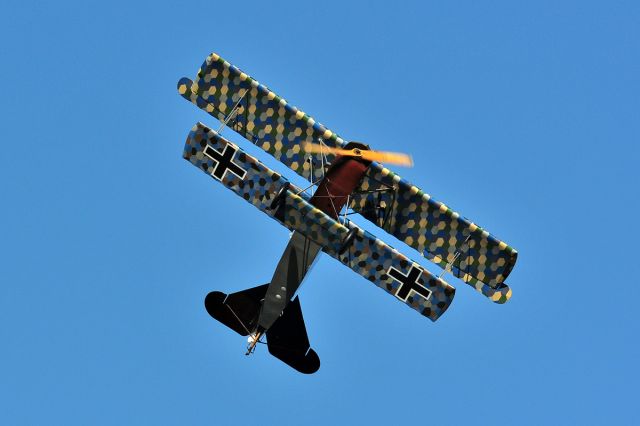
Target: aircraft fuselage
340, 180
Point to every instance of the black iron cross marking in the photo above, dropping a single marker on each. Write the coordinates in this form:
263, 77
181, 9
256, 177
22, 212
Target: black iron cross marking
409, 282
224, 162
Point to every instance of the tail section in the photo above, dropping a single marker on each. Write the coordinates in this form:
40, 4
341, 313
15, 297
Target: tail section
287, 338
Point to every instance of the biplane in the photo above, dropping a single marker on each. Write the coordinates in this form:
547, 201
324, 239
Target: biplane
348, 178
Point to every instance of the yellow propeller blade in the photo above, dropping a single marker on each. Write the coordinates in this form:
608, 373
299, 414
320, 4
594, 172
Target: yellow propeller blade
379, 156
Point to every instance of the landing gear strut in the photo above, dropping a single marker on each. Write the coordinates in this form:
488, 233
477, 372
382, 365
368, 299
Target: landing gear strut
253, 340
280, 196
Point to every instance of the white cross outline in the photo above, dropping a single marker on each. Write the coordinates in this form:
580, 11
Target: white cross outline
402, 284
235, 150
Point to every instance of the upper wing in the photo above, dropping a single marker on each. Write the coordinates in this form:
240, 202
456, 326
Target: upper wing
437, 232
366, 255
261, 116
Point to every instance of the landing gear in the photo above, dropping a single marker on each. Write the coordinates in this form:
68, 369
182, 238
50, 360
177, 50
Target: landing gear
253, 340
348, 240
280, 196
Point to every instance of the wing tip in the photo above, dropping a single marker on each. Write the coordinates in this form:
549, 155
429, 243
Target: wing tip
184, 86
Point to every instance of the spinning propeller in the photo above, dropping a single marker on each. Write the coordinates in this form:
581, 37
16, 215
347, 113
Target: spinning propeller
379, 156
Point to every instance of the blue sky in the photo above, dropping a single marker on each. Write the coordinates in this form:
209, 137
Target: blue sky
523, 116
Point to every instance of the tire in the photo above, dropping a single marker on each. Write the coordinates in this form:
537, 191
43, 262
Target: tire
348, 240
279, 198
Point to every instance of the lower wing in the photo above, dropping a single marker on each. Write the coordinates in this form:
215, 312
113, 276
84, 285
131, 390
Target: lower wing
276, 197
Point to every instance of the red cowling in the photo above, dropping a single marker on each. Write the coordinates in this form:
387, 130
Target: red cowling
339, 182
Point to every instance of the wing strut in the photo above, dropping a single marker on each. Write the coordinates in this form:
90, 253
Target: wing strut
233, 111
447, 268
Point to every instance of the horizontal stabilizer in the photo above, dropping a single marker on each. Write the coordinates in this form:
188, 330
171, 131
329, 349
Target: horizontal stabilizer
287, 340
238, 311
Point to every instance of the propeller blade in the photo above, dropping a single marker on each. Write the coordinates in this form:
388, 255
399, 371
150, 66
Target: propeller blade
379, 156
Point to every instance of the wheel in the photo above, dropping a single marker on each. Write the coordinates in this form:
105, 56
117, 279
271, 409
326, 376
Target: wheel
348, 240
279, 198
